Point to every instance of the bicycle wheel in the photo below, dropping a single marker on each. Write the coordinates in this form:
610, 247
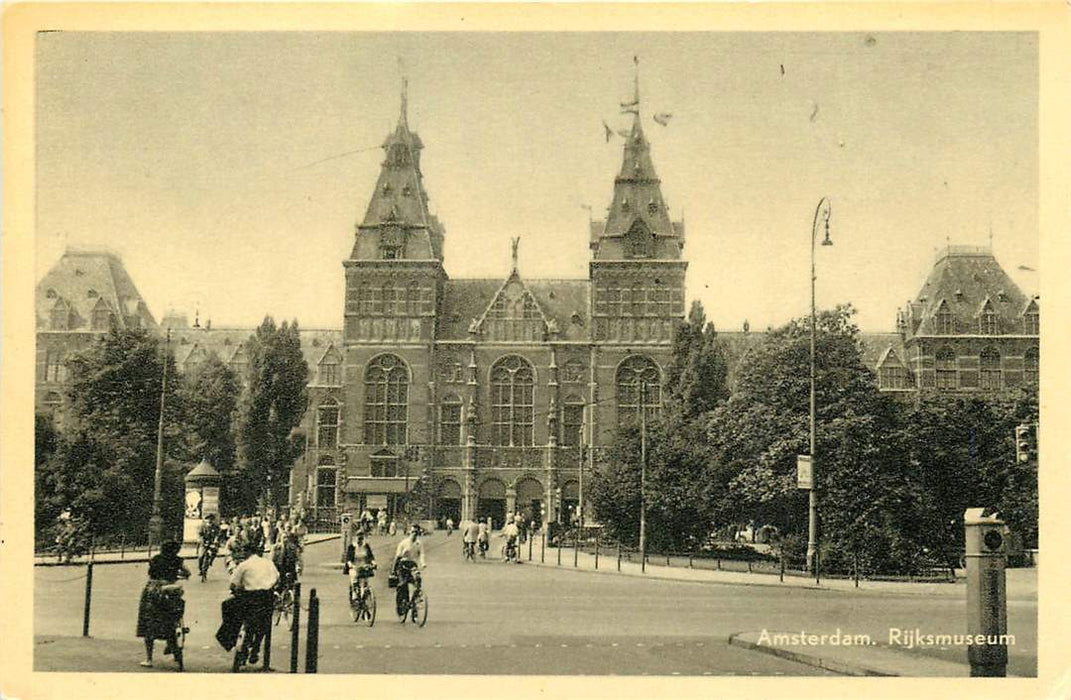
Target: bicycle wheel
239, 651
284, 607
420, 608
370, 605
179, 644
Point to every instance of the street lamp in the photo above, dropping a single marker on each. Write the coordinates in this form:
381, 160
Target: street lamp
156, 520
823, 211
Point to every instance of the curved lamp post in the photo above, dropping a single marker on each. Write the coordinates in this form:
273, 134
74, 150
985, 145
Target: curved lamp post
822, 212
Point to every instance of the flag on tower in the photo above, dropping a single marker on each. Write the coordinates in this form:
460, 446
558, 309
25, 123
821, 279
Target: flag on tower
663, 118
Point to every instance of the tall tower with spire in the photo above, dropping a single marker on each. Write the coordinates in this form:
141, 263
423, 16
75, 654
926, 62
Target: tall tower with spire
636, 269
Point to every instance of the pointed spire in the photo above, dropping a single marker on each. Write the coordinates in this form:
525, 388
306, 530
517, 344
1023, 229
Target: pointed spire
403, 118
514, 244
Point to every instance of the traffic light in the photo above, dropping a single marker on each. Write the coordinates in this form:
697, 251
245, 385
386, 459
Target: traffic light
1026, 449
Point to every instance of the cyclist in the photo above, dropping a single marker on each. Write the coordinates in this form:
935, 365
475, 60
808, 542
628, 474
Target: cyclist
207, 543
483, 539
511, 532
360, 564
285, 558
449, 526
407, 557
252, 584
470, 533
161, 604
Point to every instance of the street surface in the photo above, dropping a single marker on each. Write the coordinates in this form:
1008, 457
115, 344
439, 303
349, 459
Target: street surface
489, 617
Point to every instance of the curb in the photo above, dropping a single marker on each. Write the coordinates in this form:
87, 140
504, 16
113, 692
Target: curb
844, 669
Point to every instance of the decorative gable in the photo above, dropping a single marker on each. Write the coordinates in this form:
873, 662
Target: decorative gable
513, 314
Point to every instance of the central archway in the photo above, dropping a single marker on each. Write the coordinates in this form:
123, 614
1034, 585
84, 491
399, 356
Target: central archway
492, 502
448, 502
529, 499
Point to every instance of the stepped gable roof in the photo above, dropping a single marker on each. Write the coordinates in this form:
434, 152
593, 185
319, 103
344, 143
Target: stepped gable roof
82, 279
466, 300
963, 278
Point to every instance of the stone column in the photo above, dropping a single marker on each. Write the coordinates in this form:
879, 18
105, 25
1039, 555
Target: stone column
511, 500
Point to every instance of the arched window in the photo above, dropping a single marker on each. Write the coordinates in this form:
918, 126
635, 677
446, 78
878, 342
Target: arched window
989, 364
987, 321
329, 370
327, 424
1030, 365
386, 401
512, 402
326, 482
947, 375
1031, 323
55, 369
638, 381
946, 325
101, 316
60, 316
572, 421
450, 420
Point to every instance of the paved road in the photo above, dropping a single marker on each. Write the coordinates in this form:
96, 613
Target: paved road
495, 618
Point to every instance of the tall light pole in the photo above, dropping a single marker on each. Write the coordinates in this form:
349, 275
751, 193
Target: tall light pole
822, 211
156, 520
643, 474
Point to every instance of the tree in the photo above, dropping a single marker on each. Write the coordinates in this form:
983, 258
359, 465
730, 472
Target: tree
273, 406
102, 469
679, 496
210, 395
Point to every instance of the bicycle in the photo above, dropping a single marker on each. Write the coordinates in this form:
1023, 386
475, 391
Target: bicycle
469, 551
413, 607
250, 636
509, 552
205, 561
283, 605
178, 637
362, 597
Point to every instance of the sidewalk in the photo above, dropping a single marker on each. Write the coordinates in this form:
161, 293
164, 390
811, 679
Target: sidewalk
141, 554
841, 656
1022, 583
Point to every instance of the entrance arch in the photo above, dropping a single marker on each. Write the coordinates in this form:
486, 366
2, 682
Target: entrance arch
529, 499
492, 502
448, 501
570, 502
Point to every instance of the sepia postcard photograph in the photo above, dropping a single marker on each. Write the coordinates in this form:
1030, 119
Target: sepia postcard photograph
479, 351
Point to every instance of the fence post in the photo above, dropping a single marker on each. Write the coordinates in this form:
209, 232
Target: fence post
667, 560
855, 568
122, 546
266, 665
543, 548
619, 556
559, 548
719, 563
530, 538
782, 567
596, 553
576, 550
749, 565
89, 597
312, 634
689, 560
295, 632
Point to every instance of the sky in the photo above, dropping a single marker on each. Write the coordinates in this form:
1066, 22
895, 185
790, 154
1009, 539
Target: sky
228, 170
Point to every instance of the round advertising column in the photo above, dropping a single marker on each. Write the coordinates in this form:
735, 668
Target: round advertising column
202, 498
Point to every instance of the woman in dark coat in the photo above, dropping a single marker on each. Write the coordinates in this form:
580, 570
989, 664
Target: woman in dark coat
160, 605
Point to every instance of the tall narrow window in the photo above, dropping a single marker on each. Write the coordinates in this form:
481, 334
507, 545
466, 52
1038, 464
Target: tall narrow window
55, 370
450, 420
413, 299
639, 300
946, 325
60, 316
893, 377
947, 374
386, 401
512, 402
1031, 323
988, 322
101, 317
638, 381
330, 370
326, 480
1030, 365
327, 425
989, 364
573, 421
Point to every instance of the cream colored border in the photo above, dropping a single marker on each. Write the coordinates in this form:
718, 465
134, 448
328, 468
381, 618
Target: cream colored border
16, 448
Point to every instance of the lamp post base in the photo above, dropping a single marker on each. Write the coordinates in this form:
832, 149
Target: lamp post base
156, 530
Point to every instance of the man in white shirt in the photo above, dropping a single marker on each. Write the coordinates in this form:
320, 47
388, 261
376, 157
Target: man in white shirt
252, 584
510, 532
407, 557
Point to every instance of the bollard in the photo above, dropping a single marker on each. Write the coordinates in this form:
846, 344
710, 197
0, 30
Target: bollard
576, 551
122, 547
89, 597
543, 548
559, 548
855, 568
689, 560
667, 560
295, 631
312, 634
719, 563
530, 549
749, 566
987, 602
266, 658
782, 568
619, 556
596, 553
